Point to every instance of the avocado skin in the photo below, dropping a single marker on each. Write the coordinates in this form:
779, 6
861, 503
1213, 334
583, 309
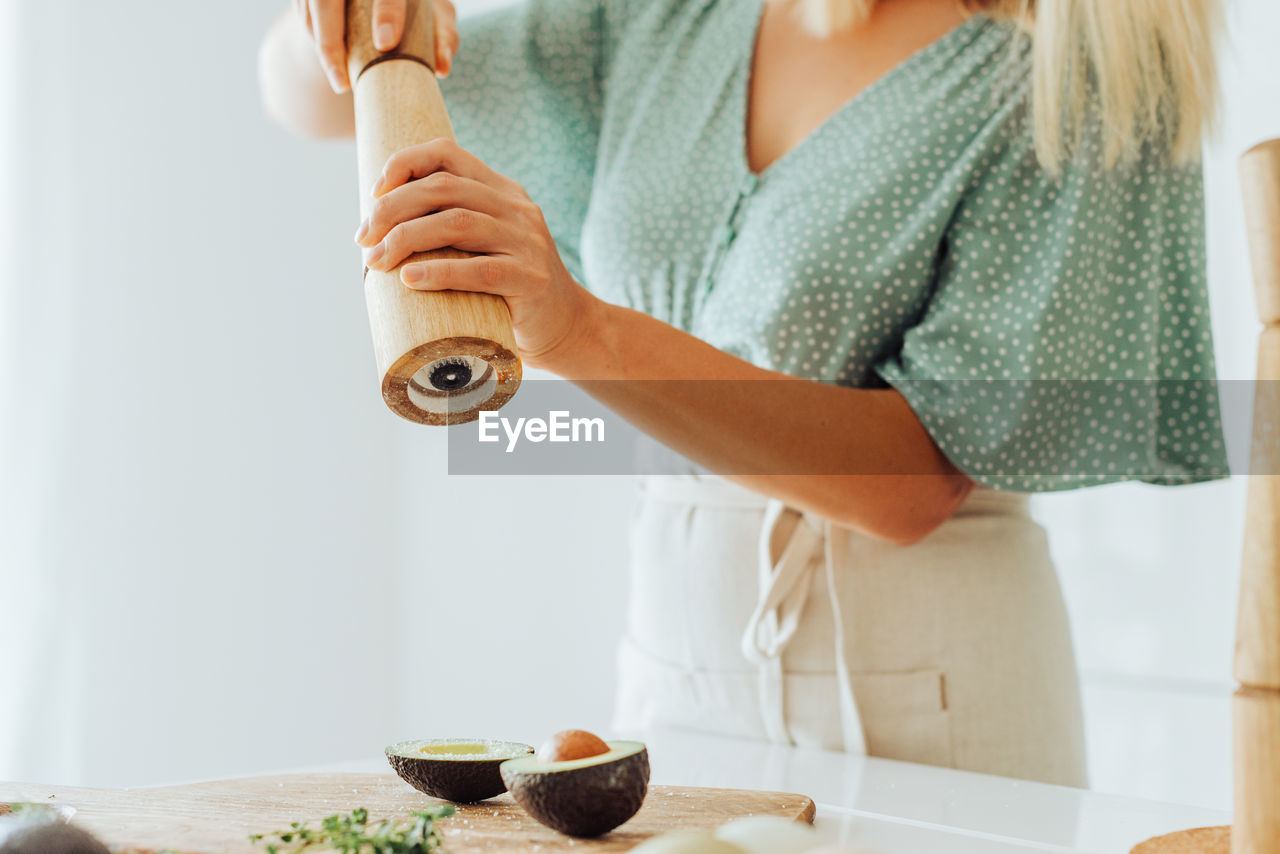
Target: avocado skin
583, 802
52, 838
463, 781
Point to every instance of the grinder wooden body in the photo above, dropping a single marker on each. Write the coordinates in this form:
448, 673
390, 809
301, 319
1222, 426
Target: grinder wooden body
443, 355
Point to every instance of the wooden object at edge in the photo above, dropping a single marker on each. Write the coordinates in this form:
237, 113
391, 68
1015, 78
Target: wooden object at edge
1255, 726
1260, 178
1257, 659
1256, 705
398, 104
1257, 650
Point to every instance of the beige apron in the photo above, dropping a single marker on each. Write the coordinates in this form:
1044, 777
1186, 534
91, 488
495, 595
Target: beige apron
751, 619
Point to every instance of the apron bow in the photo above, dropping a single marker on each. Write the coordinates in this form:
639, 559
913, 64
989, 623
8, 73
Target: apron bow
785, 577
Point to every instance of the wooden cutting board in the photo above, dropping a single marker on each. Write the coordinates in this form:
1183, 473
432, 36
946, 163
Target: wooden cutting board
205, 818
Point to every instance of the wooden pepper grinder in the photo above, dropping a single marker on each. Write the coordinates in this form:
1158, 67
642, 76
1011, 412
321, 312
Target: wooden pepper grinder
1256, 705
443, 355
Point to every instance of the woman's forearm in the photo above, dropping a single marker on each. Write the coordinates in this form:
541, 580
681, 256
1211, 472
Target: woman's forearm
859, 457
295, 92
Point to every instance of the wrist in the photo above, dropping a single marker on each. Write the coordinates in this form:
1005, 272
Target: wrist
578, 353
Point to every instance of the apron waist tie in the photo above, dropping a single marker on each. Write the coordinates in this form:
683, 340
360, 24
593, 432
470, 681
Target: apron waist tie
785, 582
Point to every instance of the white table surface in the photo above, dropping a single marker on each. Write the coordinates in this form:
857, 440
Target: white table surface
888, 807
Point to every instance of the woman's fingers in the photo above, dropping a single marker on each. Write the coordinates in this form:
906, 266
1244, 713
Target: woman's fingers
460, 228
446, 36
491, 274
326, 20
438, 191
329, 26
388, 23
438, 155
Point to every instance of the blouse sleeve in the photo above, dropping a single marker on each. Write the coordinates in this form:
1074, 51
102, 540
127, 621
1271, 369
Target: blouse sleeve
1067, 340
525, 96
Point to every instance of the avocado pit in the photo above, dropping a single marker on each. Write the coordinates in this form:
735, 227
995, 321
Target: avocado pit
570, 744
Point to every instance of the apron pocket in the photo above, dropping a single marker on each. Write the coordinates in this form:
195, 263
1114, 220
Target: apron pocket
904, 713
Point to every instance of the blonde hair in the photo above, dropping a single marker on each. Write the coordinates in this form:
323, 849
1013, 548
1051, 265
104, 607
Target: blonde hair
1145, 68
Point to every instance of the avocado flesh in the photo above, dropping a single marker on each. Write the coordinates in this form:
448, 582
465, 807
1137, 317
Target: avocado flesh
460, 770
448, 750
582, 797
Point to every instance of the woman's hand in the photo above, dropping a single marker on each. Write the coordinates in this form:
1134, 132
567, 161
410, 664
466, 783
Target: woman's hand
326, 21
438, 194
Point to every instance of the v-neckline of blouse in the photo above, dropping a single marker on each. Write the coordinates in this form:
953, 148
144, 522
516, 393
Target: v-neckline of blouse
746, 63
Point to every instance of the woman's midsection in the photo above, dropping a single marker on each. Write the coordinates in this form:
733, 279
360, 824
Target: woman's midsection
694, 580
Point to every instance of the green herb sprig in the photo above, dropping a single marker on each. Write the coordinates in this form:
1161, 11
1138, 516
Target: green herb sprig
27, 810
351, 834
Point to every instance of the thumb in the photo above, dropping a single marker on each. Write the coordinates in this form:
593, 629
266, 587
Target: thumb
388, 23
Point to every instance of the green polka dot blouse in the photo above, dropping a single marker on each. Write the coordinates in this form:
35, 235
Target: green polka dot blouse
1049, 332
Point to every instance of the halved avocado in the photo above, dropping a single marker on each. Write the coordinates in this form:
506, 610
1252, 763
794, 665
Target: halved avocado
464, 770
51, 838
582, 797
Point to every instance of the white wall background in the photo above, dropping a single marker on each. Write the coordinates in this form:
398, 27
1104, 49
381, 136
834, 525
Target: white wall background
209, 566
